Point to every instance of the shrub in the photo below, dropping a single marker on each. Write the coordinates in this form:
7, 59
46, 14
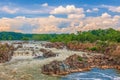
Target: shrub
80, 59
93, 48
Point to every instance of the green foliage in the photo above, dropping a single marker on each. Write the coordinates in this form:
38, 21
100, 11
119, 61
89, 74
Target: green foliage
25, 38
43, 37
109, 35
14, 36
90, 36
93, 48
80, 58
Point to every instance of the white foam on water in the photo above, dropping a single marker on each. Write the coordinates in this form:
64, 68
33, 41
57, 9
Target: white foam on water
104, 75
84, 79
117, 78
22, 57
81, 76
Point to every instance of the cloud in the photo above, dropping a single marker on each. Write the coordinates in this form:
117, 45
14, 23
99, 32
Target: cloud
105, 15
95, 9
88, 10
102, 22
9, 10
92, 10
52, 24
4, 27
69, 9
112, 8
45, 5
76, 16
51, 16
13, 9
32, 25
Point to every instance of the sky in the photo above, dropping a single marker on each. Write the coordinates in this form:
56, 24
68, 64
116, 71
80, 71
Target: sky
58, 16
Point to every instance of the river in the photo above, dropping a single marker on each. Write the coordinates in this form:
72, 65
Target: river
27, 68
94, 74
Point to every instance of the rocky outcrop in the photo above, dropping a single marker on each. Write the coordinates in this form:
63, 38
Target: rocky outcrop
77, 46
47, 53
71, 64
6, 52
77, 63
58, 45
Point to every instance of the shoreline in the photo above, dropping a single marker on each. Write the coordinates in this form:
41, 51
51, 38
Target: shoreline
73, 65
81, 70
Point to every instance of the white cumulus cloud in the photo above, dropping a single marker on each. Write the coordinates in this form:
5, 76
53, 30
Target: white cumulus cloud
69, 9
106, 15
52, 24
76, 16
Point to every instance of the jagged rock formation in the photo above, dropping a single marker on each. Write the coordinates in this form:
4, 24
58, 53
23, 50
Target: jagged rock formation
6, 52
77, 63
58, 45
47, 53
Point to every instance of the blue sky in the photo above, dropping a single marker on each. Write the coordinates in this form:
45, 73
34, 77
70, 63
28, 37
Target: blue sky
62, 15
61, 2
36, 5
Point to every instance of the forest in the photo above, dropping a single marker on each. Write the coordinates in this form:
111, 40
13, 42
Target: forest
91, 36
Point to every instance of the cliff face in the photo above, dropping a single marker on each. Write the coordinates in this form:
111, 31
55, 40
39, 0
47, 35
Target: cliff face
77, 63
6, 52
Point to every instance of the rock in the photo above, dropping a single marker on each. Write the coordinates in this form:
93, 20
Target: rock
77, 46
6, 52
43, 50
71, 64
76, 63
58, 45
47, 53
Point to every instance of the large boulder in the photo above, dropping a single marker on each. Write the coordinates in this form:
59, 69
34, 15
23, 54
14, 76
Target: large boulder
71, 64
6, 52
47, 53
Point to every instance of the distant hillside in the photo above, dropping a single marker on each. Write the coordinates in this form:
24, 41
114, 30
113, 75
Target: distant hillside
14, 36
21, 36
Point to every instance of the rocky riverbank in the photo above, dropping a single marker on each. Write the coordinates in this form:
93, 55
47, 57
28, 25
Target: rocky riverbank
56, 62
76, 63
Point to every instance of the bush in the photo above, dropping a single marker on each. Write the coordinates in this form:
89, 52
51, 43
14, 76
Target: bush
93, 48
80, 59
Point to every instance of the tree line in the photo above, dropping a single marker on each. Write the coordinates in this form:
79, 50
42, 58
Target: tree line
85, 36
